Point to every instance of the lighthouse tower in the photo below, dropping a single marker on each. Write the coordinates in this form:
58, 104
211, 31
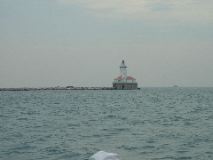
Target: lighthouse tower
123, 70
124, 81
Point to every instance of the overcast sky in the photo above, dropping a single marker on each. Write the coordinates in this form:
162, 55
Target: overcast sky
82, 42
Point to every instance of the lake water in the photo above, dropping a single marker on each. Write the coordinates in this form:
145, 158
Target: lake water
146, 124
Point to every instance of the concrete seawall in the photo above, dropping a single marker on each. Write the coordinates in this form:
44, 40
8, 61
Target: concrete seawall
58, 88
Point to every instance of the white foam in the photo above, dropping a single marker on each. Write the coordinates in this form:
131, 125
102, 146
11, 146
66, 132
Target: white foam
102, 155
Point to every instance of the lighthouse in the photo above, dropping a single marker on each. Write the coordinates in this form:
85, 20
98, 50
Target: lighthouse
123, 81
123, 70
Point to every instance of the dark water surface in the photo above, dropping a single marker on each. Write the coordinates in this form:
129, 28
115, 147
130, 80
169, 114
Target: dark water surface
147, 124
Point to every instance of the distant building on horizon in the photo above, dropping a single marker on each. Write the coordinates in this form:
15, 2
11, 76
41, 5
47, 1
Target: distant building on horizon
124, 82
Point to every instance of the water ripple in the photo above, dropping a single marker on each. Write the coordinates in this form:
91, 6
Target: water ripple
150, 124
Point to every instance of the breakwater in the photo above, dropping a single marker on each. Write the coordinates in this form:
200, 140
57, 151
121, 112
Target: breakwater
56, 88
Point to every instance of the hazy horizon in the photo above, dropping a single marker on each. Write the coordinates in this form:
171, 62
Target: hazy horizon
46, 43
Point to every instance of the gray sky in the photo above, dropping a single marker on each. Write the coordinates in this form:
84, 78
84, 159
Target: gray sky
82, 42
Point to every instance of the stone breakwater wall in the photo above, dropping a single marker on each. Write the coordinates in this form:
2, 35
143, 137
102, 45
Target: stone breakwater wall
56, 88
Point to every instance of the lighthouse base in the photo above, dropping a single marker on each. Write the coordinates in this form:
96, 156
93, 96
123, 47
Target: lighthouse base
125, 86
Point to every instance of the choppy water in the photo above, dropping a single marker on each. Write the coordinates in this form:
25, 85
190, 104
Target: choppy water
147, 124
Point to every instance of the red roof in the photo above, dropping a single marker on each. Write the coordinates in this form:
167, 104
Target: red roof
127, 78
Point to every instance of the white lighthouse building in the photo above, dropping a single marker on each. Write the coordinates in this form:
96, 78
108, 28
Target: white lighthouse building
124, 81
